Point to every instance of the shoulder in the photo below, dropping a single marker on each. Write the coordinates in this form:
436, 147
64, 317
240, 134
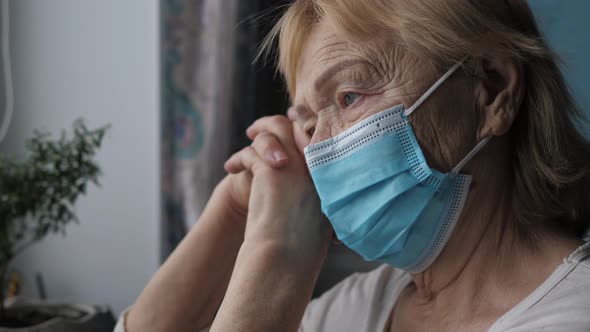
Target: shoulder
572, 291
351, 302
562, 303
572, 286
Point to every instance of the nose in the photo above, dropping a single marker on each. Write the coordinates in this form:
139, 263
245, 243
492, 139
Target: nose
304, 118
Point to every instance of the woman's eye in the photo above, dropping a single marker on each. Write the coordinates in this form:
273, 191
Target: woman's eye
350, 98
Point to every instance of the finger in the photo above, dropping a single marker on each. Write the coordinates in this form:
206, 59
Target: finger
233, 165
277, 125
242, 161
270, 149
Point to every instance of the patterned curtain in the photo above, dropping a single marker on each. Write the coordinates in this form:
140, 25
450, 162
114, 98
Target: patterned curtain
211, 92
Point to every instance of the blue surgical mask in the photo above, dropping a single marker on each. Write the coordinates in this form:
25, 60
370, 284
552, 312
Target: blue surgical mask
382, 198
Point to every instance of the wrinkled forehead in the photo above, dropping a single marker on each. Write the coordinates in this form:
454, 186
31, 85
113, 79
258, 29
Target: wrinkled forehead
325, 52
322, 44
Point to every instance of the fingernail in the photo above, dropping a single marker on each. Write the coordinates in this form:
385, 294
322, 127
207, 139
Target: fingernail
279, 155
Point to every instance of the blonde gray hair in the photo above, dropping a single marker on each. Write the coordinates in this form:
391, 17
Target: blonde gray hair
551, 157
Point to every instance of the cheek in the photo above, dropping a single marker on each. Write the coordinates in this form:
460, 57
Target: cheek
356, 114
446, 127
334, 122
323, 131
328, 125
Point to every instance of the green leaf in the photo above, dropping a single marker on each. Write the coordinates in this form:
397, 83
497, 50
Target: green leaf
38, 193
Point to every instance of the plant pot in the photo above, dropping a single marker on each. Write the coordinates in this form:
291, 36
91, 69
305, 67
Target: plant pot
45, 316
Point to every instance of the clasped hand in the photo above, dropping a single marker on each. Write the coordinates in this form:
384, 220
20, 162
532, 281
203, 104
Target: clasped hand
283, 207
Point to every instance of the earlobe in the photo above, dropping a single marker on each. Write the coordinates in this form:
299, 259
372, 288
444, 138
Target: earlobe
499, 91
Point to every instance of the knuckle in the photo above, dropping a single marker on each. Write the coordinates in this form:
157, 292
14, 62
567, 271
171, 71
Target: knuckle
279, 121
234, 157
265, 142
250, 152
243, 154
265, 119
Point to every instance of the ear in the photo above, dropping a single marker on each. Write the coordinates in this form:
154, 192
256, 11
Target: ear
499, 92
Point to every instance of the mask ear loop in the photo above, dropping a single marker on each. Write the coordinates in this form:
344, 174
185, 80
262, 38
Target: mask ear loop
470, 155
433, 88
427, 94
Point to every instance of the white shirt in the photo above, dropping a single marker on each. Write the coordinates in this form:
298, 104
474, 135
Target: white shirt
363, 302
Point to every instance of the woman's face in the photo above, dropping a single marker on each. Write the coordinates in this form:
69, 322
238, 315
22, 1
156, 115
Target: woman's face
338, 85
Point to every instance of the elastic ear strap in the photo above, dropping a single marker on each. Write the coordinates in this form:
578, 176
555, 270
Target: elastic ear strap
470, 155
433, 88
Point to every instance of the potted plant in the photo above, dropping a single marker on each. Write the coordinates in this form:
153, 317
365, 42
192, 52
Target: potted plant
37, 196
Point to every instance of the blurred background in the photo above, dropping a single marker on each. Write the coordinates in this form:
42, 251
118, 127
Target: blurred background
176, 81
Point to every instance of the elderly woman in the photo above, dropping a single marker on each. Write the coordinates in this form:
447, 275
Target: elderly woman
436, 136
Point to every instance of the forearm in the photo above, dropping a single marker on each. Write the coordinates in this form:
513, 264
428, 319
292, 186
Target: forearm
270, 288
187, 290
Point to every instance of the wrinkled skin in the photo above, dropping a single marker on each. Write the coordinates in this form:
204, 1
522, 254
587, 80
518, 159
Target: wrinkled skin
339, 84
260, 243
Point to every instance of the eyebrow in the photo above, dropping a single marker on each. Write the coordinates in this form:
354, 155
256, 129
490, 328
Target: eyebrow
330, 72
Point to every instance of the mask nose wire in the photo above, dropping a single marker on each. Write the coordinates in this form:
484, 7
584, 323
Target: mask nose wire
433, 88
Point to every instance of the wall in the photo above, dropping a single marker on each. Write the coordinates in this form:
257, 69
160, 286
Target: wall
97, 60
565, 25
2, 76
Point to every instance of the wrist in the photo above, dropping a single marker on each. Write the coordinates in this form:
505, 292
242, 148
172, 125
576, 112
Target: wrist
271, 282
300, 238
221, 224
282, 255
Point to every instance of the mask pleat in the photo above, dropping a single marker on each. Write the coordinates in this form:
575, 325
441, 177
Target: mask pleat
378, 198
391, 224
